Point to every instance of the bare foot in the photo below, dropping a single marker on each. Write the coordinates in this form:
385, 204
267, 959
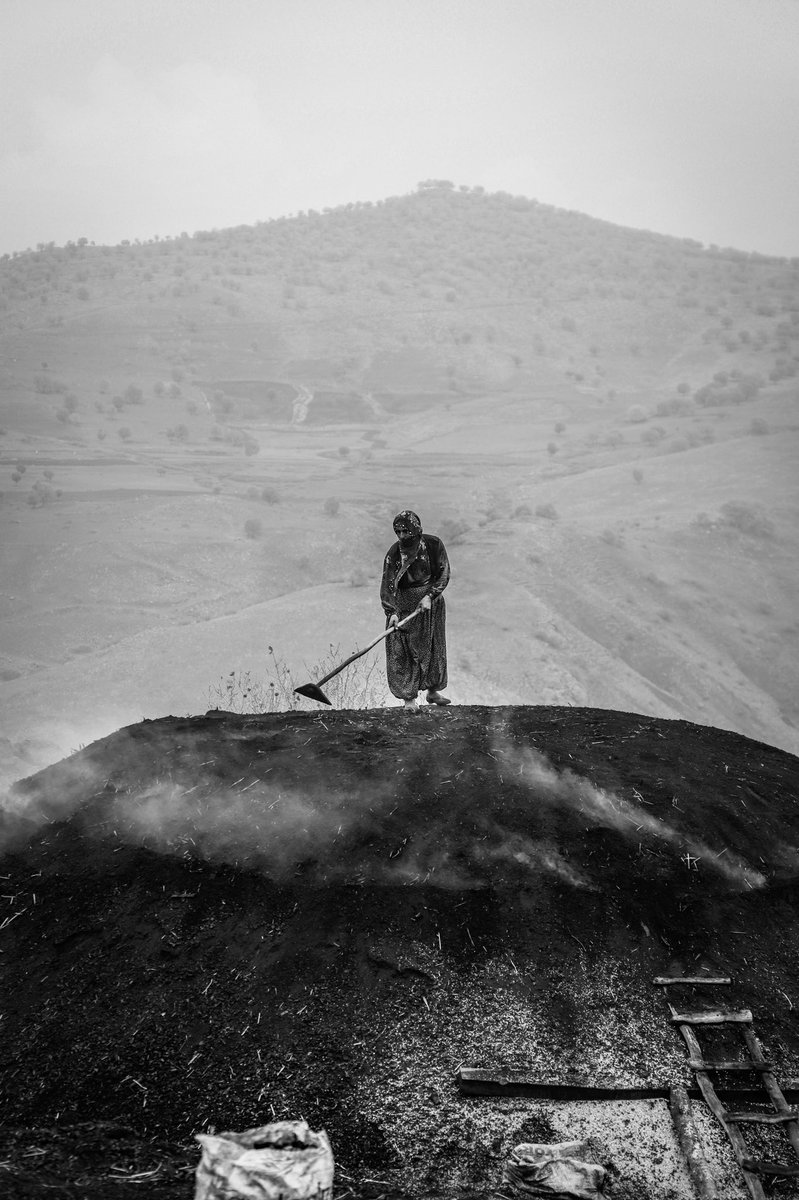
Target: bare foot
411, 706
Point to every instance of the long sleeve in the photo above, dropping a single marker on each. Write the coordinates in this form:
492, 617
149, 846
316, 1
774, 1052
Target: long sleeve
387, 596
440, 570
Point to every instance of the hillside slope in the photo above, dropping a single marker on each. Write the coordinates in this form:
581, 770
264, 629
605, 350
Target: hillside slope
204, 441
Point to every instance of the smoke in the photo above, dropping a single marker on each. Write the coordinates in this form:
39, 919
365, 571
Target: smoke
302, 820
607, 810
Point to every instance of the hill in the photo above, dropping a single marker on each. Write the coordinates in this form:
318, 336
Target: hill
215, 920
204, 440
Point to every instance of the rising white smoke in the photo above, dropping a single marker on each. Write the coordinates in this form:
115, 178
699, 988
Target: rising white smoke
605, 809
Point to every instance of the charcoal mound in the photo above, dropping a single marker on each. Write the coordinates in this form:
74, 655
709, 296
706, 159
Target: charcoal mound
224, 919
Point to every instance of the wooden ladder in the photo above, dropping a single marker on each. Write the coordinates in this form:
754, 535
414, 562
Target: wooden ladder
755, 1063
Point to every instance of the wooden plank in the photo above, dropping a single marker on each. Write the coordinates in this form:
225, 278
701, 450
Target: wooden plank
527, 1081
477, 1081
719, 1111
759, 1118
712, 1016
764, 1167
728, 1064
668, 980
691, 1144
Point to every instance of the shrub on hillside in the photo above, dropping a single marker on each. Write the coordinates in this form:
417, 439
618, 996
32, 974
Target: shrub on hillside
638, 475
728, 388
270, 495
673, 407
41, 494
331, 506
46, 386
546, 512
750, 519
253, 527
452, 531
637, 414
612, 537
758, 426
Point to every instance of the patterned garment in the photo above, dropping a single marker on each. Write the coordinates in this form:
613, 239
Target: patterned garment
416, 656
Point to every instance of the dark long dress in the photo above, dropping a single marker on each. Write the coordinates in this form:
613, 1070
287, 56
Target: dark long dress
416, 656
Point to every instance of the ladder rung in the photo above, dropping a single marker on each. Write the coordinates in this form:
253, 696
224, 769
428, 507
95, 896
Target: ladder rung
757, 1118
732, 1064
762, 1167
666, 980
713, 1017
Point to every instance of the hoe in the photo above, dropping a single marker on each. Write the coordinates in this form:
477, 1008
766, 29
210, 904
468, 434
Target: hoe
314, 690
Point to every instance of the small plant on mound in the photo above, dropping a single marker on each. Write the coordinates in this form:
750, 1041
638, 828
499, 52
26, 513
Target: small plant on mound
546, 512
360, 685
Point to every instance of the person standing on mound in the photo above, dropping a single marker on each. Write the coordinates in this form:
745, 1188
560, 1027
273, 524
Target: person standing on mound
415, 573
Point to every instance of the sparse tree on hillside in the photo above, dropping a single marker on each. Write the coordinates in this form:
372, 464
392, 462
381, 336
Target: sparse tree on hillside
253, 527
125, 433
746, 518
331, 506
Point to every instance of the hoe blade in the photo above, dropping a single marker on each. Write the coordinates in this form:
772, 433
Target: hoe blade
313, 692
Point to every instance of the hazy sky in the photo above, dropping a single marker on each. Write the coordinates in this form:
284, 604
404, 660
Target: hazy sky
130, 118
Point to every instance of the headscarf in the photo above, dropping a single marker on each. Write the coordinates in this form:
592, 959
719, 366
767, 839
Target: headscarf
407, 524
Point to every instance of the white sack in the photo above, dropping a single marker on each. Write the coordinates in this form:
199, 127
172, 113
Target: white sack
555, 1171
284, 1161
